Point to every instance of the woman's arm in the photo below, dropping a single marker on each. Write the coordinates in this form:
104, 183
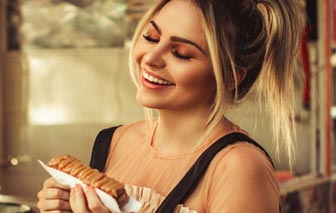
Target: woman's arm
244, 181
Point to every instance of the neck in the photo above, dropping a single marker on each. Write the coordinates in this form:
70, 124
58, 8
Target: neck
179, 131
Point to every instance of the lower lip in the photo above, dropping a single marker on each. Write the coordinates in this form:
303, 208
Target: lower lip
149, 85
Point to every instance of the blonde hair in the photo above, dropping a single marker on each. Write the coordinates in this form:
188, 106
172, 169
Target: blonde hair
285, 20
259, 37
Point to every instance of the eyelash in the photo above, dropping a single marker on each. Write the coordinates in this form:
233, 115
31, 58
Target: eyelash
178, 55
150, 39
174, 51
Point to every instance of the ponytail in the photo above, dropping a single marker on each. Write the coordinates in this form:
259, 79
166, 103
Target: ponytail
284, 22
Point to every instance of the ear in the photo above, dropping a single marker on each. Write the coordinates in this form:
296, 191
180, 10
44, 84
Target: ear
241, 74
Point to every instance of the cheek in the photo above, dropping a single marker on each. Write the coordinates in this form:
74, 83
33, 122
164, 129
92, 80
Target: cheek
207, 84
199, 76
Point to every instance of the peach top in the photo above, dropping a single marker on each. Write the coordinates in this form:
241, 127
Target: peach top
240, 178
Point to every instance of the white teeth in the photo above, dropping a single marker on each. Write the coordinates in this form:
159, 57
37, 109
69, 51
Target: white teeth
155, 80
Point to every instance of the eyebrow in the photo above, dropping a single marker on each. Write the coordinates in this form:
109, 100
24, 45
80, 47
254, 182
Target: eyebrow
156, 27
177, 39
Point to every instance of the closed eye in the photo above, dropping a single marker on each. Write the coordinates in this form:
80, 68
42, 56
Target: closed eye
175, 52
179, 55
150, 39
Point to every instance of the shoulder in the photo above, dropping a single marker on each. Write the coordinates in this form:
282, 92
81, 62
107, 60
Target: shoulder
243, 156
243, 160
243, 174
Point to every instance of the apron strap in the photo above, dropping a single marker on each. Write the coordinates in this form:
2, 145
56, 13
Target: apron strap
101, 148
189, 182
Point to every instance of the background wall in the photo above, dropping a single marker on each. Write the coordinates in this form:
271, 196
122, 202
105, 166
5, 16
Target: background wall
2, 52
66, 96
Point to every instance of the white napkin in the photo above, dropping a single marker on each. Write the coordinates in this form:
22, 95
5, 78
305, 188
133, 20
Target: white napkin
70, 181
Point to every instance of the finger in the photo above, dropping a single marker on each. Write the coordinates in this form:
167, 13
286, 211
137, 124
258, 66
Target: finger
54, 193
53, 199
53, 205
78, 200
52, 183
94, 203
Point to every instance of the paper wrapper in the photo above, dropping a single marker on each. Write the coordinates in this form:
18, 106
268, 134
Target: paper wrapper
70, 181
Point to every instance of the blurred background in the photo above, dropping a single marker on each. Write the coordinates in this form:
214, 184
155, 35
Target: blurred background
64, 76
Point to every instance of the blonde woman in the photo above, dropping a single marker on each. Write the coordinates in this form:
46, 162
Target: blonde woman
191, 60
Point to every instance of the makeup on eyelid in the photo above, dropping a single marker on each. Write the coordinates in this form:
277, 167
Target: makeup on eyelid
153, 33
183, 54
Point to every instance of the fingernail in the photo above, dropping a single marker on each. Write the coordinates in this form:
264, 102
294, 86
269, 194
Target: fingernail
72, 191
87, 188
75, 189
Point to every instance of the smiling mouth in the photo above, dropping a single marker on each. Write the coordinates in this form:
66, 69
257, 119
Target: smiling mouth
155, 80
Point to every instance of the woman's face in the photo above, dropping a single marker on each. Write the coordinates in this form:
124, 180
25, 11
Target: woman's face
173, 61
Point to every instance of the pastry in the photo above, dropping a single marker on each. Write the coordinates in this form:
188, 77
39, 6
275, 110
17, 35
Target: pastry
90, 176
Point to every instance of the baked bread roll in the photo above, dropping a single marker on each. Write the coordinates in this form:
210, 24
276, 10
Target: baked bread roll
91, 177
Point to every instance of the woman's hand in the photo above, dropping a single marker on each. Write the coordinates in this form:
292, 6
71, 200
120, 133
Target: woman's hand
53, 197
86, 201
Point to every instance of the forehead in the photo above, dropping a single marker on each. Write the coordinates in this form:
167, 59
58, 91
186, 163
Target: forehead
181, 18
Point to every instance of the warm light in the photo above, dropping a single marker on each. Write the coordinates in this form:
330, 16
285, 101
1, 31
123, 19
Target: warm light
47, 116
333, 112
14, 161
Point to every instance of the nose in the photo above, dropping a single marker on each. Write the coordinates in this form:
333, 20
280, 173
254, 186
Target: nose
154, 58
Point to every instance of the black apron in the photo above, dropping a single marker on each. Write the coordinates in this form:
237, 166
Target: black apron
189, 182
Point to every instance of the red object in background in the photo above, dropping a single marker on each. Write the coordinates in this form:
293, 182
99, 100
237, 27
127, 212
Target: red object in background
329, 18
306, 68
284, 176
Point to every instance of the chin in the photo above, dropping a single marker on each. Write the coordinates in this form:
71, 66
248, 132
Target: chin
147, 102
149, 105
